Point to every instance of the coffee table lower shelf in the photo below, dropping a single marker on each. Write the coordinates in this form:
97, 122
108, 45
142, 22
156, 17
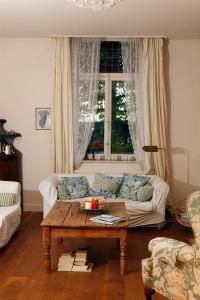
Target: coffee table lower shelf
50, 233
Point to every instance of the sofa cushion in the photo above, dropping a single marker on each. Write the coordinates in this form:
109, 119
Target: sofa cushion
130, 186
7, 199
106, 186
62, 192
77, 187
144, 193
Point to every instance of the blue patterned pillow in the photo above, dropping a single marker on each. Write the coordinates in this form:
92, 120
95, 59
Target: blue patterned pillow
76, 186
62, 192
106, 186
130, 186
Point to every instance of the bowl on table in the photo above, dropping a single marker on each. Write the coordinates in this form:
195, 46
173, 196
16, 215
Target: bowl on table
93, 204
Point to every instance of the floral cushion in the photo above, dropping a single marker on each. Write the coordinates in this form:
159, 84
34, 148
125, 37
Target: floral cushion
106, 186
62, 192
7, 199
144, 193
77, 187
130, 186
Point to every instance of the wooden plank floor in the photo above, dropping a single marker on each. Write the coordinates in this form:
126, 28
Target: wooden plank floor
22, 275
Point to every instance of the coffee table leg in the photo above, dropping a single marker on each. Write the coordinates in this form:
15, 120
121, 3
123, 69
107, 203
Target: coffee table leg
46, 248
123, 236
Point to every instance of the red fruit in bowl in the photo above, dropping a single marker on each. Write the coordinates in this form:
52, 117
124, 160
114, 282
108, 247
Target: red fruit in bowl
94, 204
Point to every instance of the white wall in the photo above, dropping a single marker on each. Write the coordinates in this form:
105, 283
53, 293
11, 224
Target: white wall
184, 74
25, 83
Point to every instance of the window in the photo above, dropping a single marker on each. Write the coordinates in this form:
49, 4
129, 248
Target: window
111, 139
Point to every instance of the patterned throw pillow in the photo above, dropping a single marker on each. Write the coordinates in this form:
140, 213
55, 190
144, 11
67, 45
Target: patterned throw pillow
62, 192
144, 193
106, 186
130, 186
7, 199
77, 187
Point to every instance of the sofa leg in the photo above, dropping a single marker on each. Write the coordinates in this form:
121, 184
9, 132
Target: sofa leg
148, 292
160, 226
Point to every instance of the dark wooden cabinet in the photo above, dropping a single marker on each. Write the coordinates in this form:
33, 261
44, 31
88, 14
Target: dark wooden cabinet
9, 167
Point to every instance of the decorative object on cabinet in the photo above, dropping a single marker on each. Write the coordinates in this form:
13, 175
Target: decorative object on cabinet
43, 118
10, 157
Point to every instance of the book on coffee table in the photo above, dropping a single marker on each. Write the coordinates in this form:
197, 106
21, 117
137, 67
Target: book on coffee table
107, 219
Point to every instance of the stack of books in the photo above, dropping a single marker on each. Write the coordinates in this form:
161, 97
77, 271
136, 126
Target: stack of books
75, 261
107, 219
80, 262
66, 261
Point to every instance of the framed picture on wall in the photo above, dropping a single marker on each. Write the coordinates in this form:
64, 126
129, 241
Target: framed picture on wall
43, 118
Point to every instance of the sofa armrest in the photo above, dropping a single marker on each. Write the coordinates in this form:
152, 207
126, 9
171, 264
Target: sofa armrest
48, 188
171, 251
160, 193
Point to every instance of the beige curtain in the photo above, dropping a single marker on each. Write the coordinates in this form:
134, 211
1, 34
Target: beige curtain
155, 106
62, 107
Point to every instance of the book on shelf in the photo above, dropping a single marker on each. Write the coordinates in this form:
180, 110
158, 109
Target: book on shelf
80, 263
81, 256
86, 268
66, 259
107, 219
65, 268
65, 262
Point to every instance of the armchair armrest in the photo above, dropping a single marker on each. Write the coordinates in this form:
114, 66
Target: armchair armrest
11, 187
171, 251
48, 188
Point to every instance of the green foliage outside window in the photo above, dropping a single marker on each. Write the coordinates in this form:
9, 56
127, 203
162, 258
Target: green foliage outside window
120, 137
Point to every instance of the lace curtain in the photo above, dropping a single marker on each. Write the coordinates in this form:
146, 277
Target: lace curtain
132, 51
85, 68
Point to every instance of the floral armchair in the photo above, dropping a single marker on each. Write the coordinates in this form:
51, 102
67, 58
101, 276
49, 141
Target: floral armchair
173, 269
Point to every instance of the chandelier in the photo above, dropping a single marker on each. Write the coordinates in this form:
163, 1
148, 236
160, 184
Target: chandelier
95, 4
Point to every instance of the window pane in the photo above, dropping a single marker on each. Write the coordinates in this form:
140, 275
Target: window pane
110, 57
96, 144
120, 137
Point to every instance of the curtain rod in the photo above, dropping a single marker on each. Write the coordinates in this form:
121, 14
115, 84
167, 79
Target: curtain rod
112, 36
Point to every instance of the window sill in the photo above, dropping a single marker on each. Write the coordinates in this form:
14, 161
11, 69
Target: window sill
108, 161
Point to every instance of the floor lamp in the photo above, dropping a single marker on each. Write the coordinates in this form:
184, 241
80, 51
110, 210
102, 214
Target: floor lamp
152, 148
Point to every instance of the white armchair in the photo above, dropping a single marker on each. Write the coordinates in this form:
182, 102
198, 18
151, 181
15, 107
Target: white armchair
9, 215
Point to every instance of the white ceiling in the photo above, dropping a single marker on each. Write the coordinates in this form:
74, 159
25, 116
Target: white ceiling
177, 19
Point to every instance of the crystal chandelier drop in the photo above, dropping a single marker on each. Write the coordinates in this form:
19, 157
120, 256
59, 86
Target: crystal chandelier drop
95, 4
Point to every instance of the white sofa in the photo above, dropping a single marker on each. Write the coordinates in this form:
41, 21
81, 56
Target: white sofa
140, 213
9, 216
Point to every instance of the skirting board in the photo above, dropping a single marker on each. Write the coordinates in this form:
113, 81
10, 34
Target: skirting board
32, 201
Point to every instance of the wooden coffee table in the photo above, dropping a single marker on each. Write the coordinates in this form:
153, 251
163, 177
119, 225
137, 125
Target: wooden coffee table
66, 220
